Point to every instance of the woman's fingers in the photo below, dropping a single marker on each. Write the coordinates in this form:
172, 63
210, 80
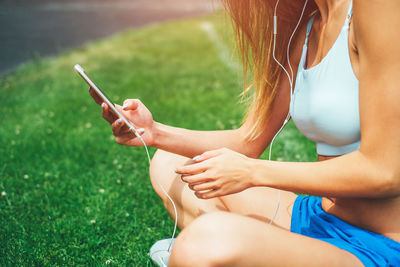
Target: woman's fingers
123, 135
124, 138
121, 110
140, 131
199, 187
131, 104
196, 178
117, 126
106, 114
209, 154
96, 98
192, 168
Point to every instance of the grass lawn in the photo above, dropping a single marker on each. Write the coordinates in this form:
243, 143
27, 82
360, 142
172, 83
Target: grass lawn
70, 194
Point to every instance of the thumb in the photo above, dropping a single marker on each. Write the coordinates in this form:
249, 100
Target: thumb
131, 104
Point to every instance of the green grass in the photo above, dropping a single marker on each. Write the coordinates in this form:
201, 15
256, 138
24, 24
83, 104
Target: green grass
57, 154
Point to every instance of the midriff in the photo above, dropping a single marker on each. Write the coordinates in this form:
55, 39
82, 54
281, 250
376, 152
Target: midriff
379, 215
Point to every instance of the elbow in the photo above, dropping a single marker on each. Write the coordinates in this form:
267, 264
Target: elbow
253, 151
383, 175
250, 148
390, 184
250, 152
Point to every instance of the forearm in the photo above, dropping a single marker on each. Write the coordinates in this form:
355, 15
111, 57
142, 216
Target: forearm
191, 143
351, 175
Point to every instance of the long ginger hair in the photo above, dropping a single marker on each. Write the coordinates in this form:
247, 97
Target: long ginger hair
253, 27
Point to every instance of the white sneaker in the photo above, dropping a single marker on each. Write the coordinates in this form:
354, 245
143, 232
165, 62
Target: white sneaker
159, 252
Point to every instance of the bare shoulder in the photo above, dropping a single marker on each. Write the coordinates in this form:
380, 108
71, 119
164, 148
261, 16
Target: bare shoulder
376, 24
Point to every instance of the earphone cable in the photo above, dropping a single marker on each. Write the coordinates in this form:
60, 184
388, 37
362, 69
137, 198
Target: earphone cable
161, 187
288, 47
290, 78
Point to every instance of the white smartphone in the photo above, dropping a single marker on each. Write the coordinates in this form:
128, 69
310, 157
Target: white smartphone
103, 96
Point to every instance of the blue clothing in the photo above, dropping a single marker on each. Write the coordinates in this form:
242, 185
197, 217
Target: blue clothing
324, 104
309, 219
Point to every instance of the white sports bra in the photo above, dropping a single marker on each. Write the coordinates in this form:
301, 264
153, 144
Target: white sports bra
324, 104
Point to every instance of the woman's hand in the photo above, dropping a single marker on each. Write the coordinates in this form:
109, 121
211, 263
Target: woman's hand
133, 110
217, 173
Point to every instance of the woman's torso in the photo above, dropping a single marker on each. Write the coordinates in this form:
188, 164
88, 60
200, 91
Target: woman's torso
342, 120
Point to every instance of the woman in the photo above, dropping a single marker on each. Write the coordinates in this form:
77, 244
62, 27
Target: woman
347, 62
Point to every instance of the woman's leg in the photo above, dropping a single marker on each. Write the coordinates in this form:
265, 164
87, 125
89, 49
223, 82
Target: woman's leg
227, 239
259, 203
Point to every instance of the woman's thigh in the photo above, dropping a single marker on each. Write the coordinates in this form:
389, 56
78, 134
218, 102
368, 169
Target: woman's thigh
257, 202
227, 239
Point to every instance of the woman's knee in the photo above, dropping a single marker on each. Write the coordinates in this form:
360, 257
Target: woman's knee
162, 170
209, 241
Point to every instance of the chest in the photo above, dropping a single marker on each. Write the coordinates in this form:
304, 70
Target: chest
324, 105
322, 39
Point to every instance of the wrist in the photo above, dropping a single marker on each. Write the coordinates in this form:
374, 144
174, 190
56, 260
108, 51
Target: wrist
252, 167
157, 134
255, 168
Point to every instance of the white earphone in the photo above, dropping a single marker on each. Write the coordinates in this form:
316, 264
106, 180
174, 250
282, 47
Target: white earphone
290, 77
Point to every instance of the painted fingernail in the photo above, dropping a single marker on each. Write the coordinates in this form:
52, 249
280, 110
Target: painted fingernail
102, 105
141, 131
119, 121
196, 158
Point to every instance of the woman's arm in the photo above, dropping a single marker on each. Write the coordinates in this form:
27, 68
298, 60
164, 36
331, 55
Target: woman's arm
190, 143
373, 170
